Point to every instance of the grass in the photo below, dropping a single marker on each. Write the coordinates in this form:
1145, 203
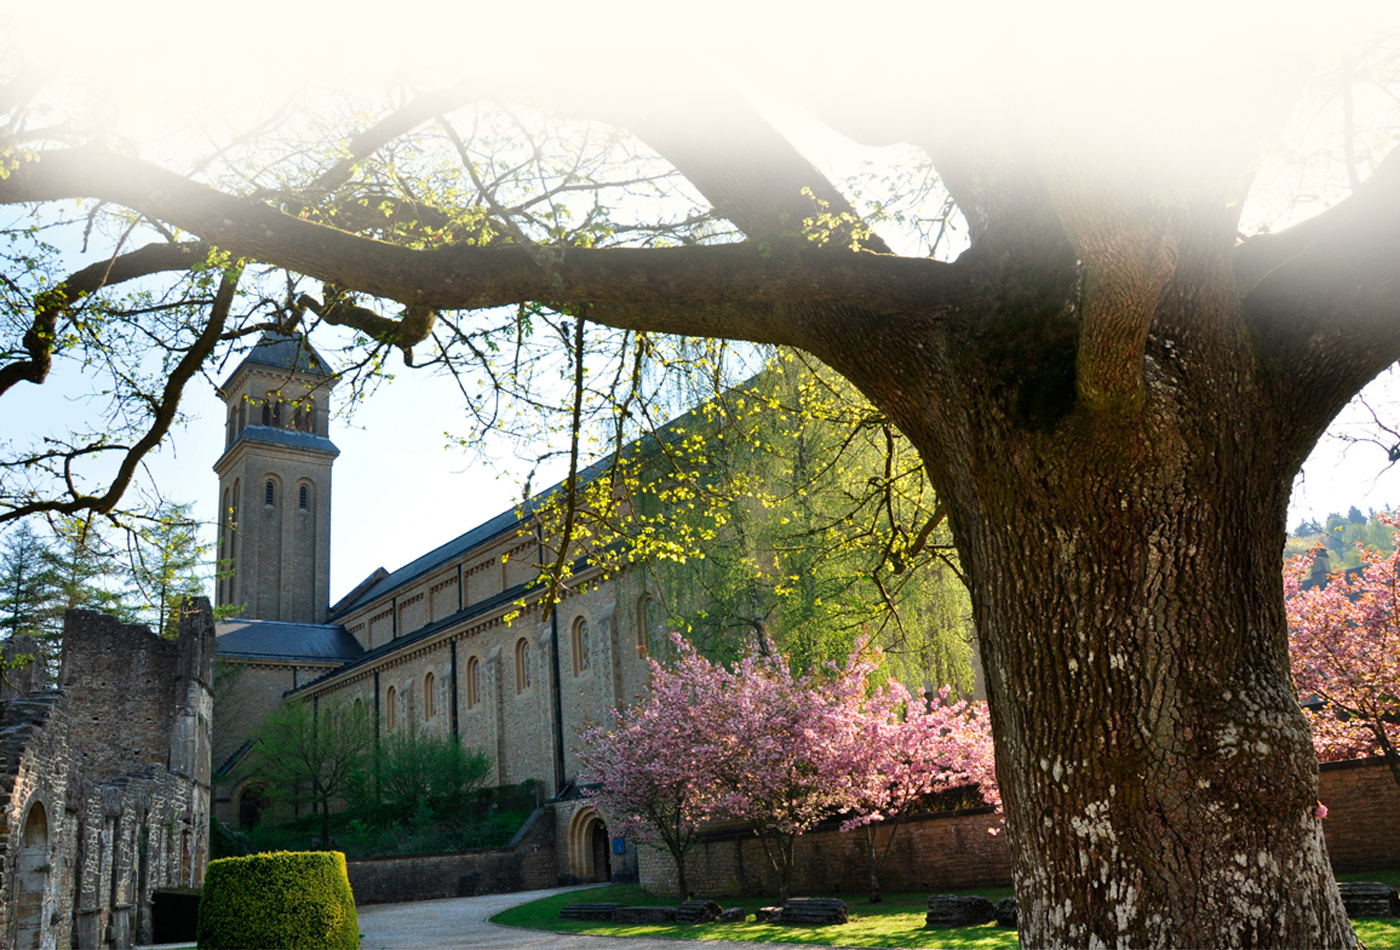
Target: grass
898, 922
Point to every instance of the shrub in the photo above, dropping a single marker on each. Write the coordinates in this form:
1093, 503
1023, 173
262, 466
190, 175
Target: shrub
287, 900
415, 775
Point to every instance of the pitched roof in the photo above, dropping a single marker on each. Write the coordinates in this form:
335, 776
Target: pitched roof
283, 352
507, 521
384, 649
274, 639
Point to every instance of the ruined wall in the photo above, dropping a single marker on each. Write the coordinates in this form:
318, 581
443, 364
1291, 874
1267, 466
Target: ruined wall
104, 790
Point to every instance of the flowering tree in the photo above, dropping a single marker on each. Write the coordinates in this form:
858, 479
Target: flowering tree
789, 748
907, 748
655, 769
1345, 644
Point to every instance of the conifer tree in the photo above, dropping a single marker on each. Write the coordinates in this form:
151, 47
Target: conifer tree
26, 583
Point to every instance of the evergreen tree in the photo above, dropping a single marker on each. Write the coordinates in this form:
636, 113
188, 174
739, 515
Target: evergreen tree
26, 583
167, 557
85, 570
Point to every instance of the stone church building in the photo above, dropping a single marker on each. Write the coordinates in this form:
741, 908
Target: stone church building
427, 646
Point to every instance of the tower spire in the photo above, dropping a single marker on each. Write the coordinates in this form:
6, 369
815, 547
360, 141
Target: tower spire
275, 484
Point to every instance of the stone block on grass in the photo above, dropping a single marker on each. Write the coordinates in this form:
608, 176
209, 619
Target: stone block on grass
733, 915
698, 912
1006, 912
1369, 899
644, 915
812, 912
586, 911
952, 910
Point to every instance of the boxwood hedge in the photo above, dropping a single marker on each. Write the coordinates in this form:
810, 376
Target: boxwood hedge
285, 900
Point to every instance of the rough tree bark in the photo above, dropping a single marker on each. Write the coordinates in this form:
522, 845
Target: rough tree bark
1111, 399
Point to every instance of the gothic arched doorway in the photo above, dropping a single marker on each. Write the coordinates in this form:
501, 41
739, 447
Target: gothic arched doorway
251, 804
589, 847
32, 878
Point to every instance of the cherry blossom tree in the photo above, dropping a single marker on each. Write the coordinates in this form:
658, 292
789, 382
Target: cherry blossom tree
655, 769
1344, 639
791, 744
907, 748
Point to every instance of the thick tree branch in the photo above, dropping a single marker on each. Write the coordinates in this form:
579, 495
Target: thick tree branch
721, 281
1362, 217
165, 409
40, 337
1325, 306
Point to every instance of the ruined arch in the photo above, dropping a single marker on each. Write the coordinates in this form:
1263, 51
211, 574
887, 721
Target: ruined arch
32, 873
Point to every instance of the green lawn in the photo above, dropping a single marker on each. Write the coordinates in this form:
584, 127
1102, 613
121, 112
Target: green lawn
898, 922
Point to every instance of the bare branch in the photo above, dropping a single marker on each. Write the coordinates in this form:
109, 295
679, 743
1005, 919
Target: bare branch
39, 339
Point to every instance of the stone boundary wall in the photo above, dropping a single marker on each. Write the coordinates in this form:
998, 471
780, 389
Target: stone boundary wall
954, 849
931, 853
527, 863
1363, 805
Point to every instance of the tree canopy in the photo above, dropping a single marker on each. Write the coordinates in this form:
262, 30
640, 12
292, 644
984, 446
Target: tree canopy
1110, 387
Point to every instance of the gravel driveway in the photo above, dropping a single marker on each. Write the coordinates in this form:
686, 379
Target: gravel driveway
461, 922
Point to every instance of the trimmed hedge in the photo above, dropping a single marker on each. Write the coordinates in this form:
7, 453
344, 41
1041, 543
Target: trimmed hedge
281, 901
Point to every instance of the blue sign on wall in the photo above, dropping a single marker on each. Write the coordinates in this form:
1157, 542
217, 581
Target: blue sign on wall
619, 846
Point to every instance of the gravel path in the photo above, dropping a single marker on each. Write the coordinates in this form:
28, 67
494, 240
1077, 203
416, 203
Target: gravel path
461, 922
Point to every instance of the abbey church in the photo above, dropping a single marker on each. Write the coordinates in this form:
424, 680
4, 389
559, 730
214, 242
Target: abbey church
425, 647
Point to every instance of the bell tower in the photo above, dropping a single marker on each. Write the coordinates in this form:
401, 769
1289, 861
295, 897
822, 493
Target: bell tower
275, 484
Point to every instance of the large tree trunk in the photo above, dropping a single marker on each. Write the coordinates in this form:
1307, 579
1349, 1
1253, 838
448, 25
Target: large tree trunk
1128, 598
1125, 566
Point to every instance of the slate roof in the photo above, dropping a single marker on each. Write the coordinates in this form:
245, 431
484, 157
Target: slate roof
506, 521
283, 352
273, 639
277, 436
399, 643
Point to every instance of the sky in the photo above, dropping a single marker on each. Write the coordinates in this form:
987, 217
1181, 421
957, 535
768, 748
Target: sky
400, 488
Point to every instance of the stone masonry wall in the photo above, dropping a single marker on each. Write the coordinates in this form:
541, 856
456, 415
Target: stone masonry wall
104, 796
1363, 805
954, 850
527, 863
930, 853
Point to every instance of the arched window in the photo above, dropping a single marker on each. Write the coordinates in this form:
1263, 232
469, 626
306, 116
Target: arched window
304, 416
233, 507
581, 646
270, 493
303, 497
391, 709
242, 416
232, 426
429, 696
473, 674
267, 413
522, 665
652, 623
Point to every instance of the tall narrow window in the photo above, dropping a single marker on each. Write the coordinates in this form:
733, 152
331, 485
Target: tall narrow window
269, 493
522, 665
391, 709
267, 413
581, 646
473, 672
303, 497
242, 416
429, 696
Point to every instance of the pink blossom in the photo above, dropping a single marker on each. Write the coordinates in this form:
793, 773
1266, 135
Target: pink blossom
1344, 641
